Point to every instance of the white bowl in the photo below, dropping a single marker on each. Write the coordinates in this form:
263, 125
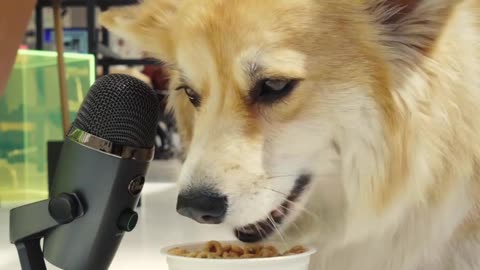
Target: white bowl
290, 262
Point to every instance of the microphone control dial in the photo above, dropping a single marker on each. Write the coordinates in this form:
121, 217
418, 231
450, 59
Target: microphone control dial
64, 208
127, 220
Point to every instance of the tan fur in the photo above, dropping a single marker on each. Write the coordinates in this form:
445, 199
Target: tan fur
386, 119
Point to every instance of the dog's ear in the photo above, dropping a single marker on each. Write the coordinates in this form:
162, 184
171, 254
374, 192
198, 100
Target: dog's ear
147, 24
411, 27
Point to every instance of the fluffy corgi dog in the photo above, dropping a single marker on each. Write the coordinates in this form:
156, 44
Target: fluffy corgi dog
353, 125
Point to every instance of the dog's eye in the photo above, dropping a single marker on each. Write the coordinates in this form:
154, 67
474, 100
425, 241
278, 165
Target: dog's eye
271, 90
193, 96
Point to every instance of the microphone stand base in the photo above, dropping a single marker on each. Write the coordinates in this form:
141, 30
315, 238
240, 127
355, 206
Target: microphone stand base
29, 223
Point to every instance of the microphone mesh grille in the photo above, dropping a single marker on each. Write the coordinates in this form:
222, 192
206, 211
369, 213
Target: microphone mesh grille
121, 109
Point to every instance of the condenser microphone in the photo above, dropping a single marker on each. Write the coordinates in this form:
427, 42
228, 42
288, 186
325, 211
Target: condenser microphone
102, 164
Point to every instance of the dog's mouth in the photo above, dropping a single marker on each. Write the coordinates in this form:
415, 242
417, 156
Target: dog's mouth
264, 228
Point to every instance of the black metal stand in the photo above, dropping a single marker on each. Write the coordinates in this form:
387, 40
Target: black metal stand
90, 6
31, 255
29, 223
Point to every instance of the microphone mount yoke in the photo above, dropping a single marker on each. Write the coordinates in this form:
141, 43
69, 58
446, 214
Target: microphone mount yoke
30, 223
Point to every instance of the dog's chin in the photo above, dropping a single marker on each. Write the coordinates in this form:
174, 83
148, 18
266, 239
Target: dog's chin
274, 220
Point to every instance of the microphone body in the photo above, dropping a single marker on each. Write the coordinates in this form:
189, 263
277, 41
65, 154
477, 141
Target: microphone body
103, 162
108, 187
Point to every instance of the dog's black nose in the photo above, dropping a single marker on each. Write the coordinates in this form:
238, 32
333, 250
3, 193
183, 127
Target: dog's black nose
202, 206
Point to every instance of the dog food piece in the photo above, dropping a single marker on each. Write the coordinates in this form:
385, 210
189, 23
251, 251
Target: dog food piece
237, 250
272, 249
230, 255
268, 251
294, 250
178, 251
227, 247
215, 250
214, 256
297, 249
202, 255
191, 254
214, 247
253, 249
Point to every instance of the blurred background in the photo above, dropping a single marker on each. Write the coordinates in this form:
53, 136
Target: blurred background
31, 124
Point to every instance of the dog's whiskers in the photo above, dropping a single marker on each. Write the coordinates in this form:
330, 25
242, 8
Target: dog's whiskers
280, 176
295, 204
296, 226
272, 222
295, 175
276, 191
260, 230
301, 208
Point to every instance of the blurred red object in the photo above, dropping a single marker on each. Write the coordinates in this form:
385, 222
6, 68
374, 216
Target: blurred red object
158, 75
14, 16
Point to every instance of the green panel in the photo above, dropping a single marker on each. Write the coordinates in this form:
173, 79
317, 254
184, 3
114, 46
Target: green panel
30, 116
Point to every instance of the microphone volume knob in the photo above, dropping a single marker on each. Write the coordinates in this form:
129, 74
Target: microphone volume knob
127, 220
63, 208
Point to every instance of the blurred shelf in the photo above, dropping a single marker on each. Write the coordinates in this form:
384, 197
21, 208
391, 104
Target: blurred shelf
93, 31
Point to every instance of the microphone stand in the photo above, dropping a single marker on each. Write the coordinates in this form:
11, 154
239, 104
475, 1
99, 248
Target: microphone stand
30, 223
